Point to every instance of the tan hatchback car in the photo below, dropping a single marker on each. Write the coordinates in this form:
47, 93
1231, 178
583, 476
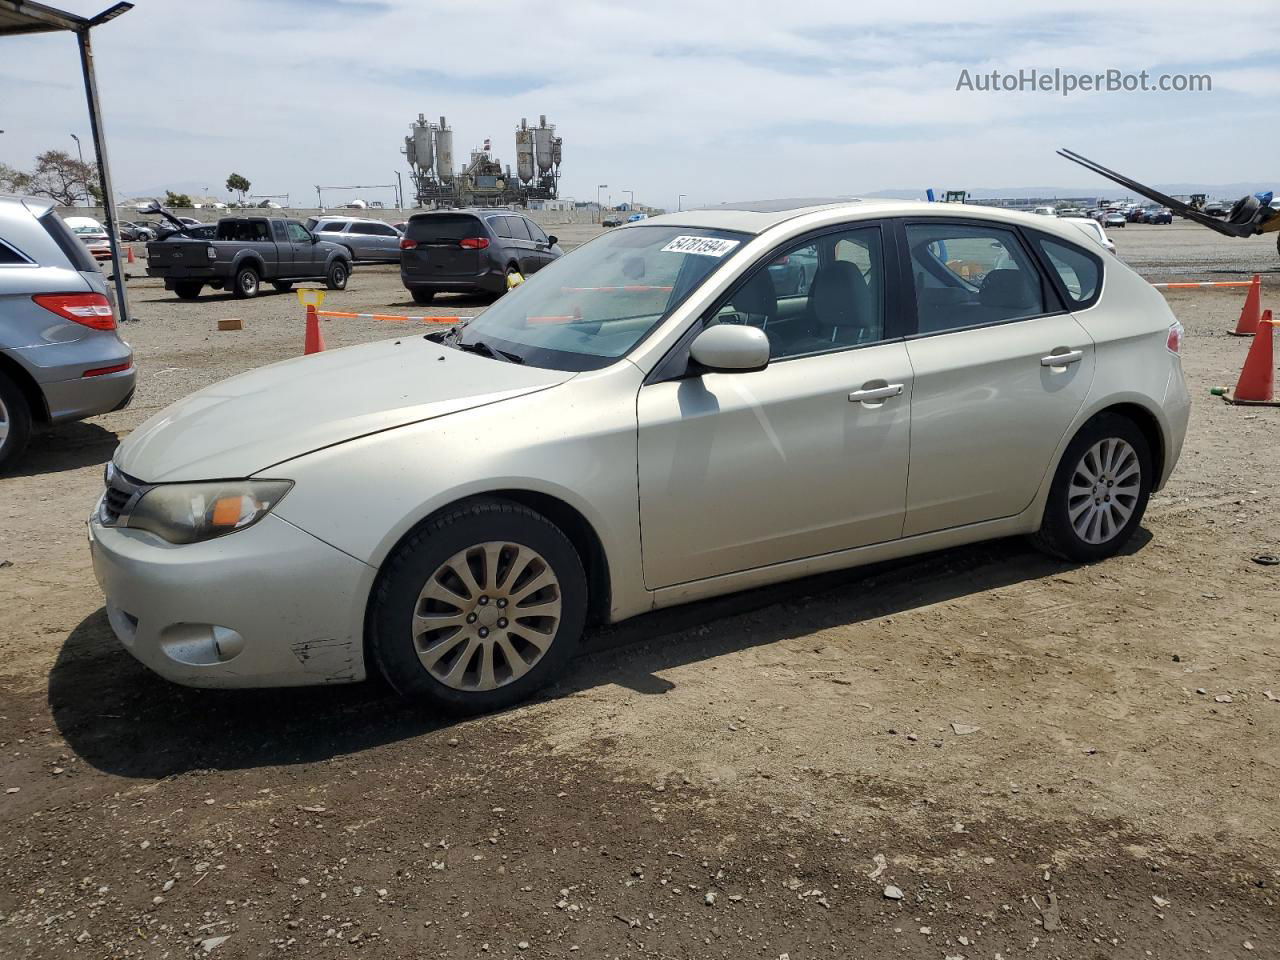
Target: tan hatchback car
644, 422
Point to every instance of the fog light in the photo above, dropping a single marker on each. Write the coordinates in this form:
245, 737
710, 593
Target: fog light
200, 644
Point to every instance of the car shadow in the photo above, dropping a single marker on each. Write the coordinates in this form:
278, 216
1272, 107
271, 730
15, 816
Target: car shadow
65, 447
124, 720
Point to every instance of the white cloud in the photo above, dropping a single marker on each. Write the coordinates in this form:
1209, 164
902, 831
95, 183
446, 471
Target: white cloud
717, 100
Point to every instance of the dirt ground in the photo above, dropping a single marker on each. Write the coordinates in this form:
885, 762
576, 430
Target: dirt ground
751, 777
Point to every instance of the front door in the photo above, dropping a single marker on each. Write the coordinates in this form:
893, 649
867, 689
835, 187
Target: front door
805, 457
305, 250
1001, 370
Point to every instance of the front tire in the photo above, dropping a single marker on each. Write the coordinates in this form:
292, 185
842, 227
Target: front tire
481, 607
15, 421
247, 283
1099, 493
336, 276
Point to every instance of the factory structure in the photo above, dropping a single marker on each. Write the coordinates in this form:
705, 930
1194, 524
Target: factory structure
482, 181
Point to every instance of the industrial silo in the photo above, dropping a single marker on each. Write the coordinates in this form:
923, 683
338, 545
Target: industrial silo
444, 151
524, 152
542, 137
422, 148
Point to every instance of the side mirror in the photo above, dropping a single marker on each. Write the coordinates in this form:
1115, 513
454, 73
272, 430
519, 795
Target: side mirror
552, 240
314, 238
731, 348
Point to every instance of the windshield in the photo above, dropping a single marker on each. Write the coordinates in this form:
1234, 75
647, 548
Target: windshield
585, 310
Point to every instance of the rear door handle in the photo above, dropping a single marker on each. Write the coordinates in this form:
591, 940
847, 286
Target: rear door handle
1062, 359
876, 393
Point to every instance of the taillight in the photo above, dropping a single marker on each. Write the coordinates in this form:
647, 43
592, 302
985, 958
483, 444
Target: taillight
407, 244
90, 309
1174, 341
473, 243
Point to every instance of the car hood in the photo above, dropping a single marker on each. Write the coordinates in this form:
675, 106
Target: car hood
253, 421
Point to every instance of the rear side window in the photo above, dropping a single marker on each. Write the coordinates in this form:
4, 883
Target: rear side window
519, 228
68, 242
501, 226
969, 275
334, 226
10, 256
1079, 271
381, 229
444, 227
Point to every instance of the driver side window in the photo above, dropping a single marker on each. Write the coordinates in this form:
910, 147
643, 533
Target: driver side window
818, 296
967, 275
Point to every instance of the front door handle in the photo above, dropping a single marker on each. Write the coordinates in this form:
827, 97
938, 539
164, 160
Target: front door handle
1062, 359
876, 393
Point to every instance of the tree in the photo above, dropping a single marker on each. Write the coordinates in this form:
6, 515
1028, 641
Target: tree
172, 199
63, 178
238, 184
13, 180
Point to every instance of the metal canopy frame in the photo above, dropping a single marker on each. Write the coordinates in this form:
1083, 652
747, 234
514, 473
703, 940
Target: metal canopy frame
22, 17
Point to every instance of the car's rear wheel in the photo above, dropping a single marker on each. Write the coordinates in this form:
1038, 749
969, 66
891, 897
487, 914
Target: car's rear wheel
336, 277
15, 421
283, 286
1100, 491
422, 297
247, 283
187, 291
481, 607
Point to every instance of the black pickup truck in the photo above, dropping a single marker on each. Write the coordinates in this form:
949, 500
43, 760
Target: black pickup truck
245, 253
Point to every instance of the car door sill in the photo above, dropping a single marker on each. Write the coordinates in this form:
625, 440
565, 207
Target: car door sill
854, 557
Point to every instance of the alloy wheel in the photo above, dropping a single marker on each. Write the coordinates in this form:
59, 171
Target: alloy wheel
1104, 490
486, 616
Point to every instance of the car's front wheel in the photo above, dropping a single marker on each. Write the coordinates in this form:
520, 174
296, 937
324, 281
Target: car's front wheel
481, 607
1100, 491
336, 277
15, 421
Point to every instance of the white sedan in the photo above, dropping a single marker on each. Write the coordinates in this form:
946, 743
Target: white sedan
645, 422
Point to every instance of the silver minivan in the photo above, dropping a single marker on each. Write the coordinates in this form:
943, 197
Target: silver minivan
371, 241
61, 357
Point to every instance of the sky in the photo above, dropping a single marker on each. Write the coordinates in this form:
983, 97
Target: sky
718, 100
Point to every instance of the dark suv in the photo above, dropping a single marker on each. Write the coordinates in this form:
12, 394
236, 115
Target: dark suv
470, 251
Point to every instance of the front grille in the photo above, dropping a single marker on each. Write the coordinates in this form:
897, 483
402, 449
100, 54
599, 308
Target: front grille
121, 494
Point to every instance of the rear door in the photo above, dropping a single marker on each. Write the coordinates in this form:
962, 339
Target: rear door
383, 241
438, 252
1001, 369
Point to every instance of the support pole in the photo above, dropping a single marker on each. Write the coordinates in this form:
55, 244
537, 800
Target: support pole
104, 170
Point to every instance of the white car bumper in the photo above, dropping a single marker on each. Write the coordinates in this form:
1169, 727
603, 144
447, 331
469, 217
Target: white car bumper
267, 606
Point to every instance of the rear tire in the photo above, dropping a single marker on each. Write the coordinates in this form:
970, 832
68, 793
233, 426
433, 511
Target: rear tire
336, 276
247, 283
428, 630
1095, 505
283, 286
187, 291
15, 421
422, 297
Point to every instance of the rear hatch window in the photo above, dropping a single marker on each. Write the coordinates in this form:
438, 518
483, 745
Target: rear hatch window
70, 245
438, 250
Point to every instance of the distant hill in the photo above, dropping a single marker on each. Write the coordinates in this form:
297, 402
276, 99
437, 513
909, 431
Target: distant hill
1224, 191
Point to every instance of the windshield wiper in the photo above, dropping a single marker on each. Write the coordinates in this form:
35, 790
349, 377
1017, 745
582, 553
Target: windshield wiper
479, 346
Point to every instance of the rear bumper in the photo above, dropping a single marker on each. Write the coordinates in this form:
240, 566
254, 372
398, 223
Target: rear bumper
267, 606
59, 371
89, 396
491, 280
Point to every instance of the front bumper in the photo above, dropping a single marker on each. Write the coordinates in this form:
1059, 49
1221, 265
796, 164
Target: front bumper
268, 606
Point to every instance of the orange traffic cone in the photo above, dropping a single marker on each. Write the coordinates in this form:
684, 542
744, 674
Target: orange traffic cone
130, 260
1257, 383
314, 342
1247, 326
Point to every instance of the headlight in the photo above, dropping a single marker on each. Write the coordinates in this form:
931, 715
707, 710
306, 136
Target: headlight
191, 512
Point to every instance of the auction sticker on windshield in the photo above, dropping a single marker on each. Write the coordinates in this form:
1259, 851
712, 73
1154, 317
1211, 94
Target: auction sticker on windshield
703, 246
